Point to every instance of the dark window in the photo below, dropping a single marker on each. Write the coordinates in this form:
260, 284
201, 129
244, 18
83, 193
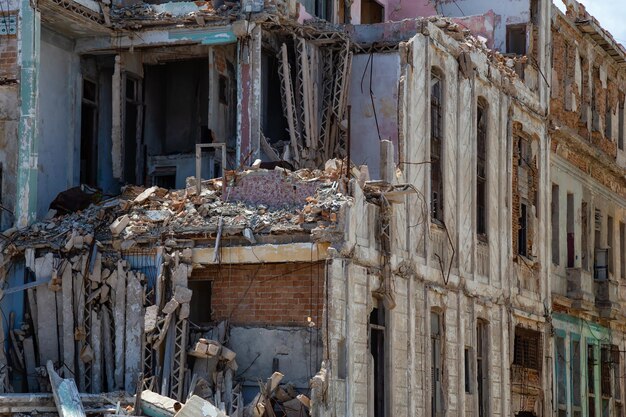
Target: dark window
482, 371
561, 373
605, 371
591, 373
584, 235
527, 352
436, 370
516, 39
576, 375
200, 306
468, 370
617, 377
436, 149
377, 350
522, 235
556, 254
571, 231
89, 134
481, 170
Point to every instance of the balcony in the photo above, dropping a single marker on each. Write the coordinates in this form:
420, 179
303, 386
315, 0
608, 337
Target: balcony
606, 293
580, 288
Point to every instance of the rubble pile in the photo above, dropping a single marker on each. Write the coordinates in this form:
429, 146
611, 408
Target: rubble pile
156, 216
108, 300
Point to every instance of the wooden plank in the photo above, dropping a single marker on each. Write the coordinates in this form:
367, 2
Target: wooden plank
65, 393
289, 101
134, 332
47, 330
68, 319
119, 320
30, 364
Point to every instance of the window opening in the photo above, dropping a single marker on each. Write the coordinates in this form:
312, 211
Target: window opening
516, 39
527, 349
482, 372
89, 134
377, 350
436, 365
481, 170
555, 225
436, 149
571, 233
523, 231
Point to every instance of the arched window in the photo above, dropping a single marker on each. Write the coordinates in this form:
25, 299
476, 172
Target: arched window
436, 147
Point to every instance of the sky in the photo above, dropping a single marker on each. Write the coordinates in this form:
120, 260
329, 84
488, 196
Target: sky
610, 13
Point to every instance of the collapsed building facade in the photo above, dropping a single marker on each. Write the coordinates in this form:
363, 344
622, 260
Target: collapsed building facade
361, 198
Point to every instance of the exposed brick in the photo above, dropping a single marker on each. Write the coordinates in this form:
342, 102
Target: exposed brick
268, 294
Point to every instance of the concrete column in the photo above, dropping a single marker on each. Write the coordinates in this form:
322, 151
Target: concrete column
27, 159
249, 96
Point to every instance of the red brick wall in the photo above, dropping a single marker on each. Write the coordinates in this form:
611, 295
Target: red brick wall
266, 294
8, 56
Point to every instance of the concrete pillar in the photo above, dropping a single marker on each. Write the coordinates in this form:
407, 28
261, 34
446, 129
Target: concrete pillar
249, 95
387, 165
29, 37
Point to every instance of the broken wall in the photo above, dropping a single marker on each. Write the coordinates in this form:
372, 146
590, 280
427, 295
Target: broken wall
58, 125
373, 96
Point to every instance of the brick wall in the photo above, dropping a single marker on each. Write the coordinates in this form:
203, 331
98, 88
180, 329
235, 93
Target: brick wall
266, 294
8, 56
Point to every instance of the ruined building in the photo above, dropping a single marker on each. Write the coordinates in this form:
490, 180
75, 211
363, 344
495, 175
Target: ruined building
328, 208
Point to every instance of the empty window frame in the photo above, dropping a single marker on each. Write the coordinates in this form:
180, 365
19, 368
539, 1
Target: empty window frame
522, 234
516, 39
134, 157
482, 369
595, 116
591, 376
377, 350
617, 380
554, 215
436, 148
436, 364
481, 169
527, 349
584, 235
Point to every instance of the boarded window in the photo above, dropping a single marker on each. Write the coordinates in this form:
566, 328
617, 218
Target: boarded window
436, 149
527, 352
522, 235
436, 370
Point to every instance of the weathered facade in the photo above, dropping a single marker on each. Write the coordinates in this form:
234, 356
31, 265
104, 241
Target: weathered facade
407, 209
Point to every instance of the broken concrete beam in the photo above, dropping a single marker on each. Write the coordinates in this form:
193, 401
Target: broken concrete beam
68, 320
150, 318
387, 165
134, 331
182, 294
47, 330
119, 320
273, 382
155, 405
145, 194
119, 225
65, 394
184, 311
227, 354
171, 306
197, 406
